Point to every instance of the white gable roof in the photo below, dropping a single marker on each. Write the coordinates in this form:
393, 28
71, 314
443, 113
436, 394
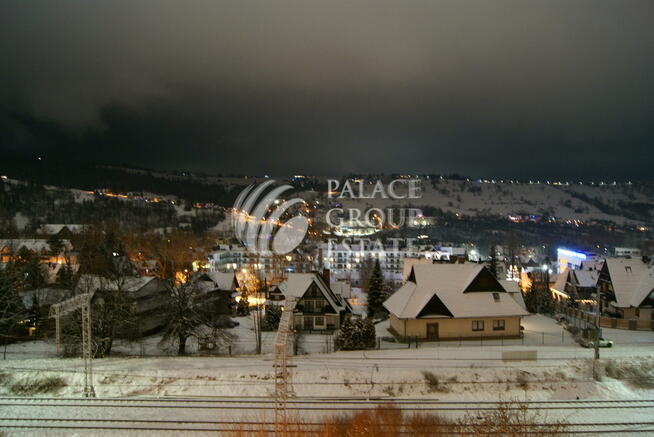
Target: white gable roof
44, 296
510, 286
448, 282
561, 281
340, 288
223, 280
53, 229
633, 280
586, 278
37, 245
298, 283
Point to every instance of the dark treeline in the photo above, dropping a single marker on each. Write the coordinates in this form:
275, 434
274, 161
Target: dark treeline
87, 176
42, 205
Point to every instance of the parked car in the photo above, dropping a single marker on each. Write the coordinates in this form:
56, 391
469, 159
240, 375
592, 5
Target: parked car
603, 342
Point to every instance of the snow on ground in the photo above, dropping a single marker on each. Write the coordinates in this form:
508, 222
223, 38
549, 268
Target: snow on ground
464, 374
465, 371
472, 198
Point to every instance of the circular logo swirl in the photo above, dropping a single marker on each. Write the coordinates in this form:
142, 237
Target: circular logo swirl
256, 219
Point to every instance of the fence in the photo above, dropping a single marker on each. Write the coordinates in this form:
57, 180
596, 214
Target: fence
528, 338
583, 319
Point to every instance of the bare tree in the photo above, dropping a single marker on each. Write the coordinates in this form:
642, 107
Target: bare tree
185, 317
112, 313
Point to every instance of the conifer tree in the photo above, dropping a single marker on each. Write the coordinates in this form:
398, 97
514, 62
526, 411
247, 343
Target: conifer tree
377, 293
492, 264
271, 319
355, 334
12, 309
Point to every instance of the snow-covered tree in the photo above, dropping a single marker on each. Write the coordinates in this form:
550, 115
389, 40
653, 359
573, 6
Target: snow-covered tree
272, 318
355, 334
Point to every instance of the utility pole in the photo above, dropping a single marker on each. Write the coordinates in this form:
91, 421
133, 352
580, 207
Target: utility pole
282, 375
57, 316
83, 302
597, 326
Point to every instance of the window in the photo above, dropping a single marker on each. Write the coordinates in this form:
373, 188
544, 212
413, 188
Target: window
496, 297
477, 325
498, 325
308, 306
319, 321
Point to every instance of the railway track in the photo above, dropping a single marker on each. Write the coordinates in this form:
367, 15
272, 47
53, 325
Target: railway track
207, 416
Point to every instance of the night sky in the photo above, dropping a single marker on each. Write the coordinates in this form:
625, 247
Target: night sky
546, 89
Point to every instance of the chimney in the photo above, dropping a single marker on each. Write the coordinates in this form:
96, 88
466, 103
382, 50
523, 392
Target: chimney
325, 276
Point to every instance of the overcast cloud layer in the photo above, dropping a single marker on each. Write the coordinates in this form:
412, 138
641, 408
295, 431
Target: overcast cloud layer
484, 88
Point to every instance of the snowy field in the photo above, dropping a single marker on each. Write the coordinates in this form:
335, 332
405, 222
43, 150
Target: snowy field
467, 373
395, 370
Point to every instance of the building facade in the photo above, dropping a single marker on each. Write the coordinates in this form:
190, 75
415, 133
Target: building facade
453, 301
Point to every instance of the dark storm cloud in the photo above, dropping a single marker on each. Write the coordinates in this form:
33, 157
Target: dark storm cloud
511, 88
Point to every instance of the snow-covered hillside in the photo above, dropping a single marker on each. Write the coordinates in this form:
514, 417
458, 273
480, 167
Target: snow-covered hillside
623, 204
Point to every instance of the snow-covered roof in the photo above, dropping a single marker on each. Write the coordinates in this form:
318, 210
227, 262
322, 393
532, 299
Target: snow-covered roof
297, 285
91, 283
34, 244
513, 288
633, 280
528, 260
519, 299
341, 288
448, 282
586, 278
54, 229
510, 286
561, 280
44, 296
222, 280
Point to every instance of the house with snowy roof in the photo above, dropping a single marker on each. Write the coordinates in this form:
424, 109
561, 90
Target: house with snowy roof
579, 285
148, 296
453, 301
626, 287
226, 281
317, 306
217, 291
60, 230
11, 248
